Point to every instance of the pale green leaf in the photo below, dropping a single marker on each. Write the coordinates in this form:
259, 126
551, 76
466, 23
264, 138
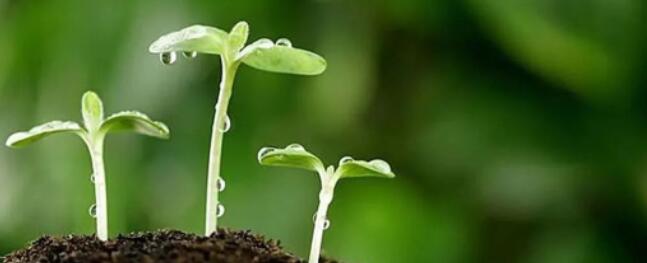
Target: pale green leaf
196, 38
92, 110
238, 36
293, 155
20, 139
136, 122
355, 168
286, 59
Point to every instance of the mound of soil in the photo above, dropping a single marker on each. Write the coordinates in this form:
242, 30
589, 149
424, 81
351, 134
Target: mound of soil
224, 246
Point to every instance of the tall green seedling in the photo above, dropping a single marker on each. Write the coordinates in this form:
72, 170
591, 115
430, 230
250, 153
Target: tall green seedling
263, 54
92, 132
296, 156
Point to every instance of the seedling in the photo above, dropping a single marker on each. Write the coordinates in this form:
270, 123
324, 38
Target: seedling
93, 132
262, 54
296, 156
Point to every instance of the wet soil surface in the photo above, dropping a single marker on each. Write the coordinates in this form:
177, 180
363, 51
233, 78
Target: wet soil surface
225, 246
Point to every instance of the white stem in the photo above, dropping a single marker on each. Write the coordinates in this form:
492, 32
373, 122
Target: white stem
95, 146
215, 151
325, 198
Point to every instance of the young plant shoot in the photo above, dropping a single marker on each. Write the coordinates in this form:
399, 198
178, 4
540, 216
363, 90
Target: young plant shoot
296, 156
93, 132
262, 54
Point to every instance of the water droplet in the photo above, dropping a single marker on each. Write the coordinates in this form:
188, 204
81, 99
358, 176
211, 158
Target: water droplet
92, 178
283, 42
264, 43
168, 58
220, 210
190, 54
381, 165
264, 151
345, 159
326, 221
93, 210
227, 125
296, 146
220, 184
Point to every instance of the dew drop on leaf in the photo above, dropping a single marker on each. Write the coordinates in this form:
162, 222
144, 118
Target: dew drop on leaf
226, 125
296, 146
93, 210
283, 42
220, 210
381, 165
168, 58
345, 159
190, 54
264, 151
220, 184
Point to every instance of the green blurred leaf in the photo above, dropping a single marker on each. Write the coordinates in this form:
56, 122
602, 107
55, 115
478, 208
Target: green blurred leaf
355, 168
294, 155
92, 110
238, 36
286, 59
135, 121
198, 38
20, 139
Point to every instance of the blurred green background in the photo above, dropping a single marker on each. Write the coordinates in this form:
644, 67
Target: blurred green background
517, 129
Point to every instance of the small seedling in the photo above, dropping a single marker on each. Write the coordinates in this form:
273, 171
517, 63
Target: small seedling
262, 54
93, 132
296, 156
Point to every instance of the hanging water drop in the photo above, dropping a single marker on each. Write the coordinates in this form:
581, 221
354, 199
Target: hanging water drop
345, 159
168, 58
190, 54
220, 184
326, 224
264, 151
220, 210
226, 125
93, 210
283, 42
296, 146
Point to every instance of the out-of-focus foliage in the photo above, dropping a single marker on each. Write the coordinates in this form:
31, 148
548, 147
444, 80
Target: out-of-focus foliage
517, 129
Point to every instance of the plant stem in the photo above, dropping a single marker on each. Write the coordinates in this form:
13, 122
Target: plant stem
325, 198
95, 146
215, 151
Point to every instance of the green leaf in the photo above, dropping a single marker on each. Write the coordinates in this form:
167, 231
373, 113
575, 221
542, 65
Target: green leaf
294, 155
92, 110
134, 121
238, 36
286, 59
198, 38
356, 168
20, 139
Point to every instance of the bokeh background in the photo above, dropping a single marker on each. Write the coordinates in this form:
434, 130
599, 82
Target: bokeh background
517, 129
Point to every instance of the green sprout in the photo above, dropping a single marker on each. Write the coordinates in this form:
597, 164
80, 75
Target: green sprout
93, 132
295, 156
262, 54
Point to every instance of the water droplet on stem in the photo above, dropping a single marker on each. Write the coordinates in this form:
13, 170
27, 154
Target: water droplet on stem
226, 126
93, 210
220, 210
220, 184
264, 151
296, 146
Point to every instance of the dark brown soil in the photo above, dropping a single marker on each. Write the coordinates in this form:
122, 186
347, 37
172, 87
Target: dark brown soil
161, 246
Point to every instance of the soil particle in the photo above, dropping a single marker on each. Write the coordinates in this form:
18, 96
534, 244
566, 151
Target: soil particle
224, 246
